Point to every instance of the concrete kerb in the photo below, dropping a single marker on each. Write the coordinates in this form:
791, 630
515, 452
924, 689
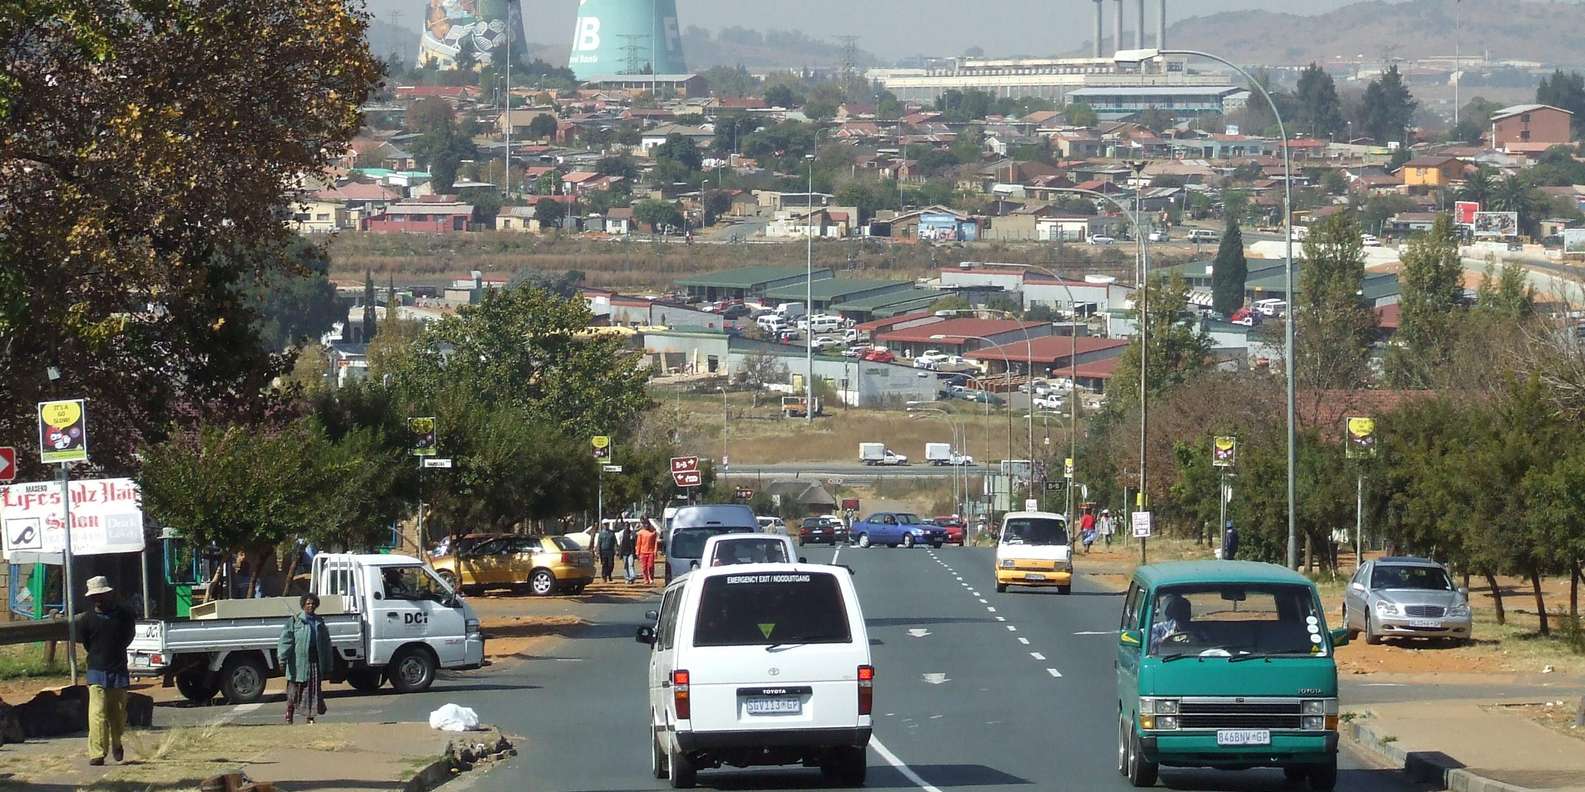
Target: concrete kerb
1425, 766
463, 754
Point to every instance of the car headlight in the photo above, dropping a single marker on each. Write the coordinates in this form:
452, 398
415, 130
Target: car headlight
1386, 609
1460, 611
1313, 723
1158, 706
1007, 563
1313, 707
1166, 722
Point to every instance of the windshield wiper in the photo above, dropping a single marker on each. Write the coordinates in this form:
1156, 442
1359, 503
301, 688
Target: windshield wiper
1175, 656
1263, 656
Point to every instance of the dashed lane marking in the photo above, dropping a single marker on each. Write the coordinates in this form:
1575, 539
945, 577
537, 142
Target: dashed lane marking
1037, 655
1023, 640
1054, 673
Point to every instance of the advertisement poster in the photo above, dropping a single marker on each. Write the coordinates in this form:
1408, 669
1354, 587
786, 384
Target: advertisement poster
1496, 224
63, 431
1464, 212
1361, 438
107, 517
1224, 452
423, 431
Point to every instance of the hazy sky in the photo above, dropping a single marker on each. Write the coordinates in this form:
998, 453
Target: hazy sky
893, 28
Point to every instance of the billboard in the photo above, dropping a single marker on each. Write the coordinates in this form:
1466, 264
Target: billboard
1224, 452
947, 227
473, 30
107, 517
613, 37
1464, 212
1496, 224
1361, 438
1574, 241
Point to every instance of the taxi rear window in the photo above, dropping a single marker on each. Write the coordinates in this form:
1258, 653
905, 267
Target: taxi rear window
761, 609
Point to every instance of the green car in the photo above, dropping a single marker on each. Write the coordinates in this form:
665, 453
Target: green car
1226, 664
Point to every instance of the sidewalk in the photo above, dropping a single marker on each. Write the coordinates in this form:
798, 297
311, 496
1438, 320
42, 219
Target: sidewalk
1468, 744
326, 756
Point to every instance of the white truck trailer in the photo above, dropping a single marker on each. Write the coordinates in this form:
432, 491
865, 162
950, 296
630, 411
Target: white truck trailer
390, 618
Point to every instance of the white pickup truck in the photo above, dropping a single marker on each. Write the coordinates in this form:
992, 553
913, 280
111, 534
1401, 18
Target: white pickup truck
389, 617
879, 454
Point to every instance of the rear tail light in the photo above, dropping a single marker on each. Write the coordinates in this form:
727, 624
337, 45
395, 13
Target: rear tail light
567, 558
679, 694
866, 689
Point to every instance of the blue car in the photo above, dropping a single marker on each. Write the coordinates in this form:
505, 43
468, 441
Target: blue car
896, 528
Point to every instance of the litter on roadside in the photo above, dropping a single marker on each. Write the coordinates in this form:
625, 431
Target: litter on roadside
453, 718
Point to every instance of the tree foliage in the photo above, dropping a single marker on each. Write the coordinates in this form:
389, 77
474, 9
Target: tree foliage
1388, 107
1177, 350
1230, 271
1431, 281
1336, 326
1565, 90
1319, 110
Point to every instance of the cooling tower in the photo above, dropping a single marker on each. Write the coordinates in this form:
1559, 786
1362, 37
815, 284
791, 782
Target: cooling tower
462, 30
614, 37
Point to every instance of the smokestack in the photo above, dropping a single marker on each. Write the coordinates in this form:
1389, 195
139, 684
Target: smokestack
1100, 30
1139, 31
626, 37
1117, 28
1161, 29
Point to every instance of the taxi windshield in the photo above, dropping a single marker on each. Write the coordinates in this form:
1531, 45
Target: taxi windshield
1221, 620
1035, 531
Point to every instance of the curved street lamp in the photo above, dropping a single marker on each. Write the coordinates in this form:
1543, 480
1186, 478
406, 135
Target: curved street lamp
1008, 376
1141, 56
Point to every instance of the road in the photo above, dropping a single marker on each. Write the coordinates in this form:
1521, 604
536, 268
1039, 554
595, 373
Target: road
850, 471
975, 690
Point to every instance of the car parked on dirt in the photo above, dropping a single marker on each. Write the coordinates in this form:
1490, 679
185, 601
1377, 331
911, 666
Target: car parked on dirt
543, 565
1403, 597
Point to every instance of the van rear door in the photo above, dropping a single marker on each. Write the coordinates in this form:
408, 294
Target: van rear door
775, 650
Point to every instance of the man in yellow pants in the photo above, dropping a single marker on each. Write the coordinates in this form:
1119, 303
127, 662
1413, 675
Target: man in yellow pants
105, 632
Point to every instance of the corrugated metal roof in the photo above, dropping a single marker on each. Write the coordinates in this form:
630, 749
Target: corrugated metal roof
957, 327
1046, 349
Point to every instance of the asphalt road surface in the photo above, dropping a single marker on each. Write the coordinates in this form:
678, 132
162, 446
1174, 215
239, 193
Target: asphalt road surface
975, 690
851, 470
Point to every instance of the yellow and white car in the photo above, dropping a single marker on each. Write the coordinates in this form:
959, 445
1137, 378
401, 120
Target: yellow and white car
1033, 549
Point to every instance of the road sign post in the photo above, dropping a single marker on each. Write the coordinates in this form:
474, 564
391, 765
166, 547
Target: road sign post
8, 464
1224, 454
63, 438
426, 444
1361, 445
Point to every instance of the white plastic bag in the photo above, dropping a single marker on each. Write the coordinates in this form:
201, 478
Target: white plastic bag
453, 718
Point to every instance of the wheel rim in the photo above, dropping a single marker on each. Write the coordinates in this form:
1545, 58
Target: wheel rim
908, 541
247, 681
412, 670
449, 579
542, 583
864, 540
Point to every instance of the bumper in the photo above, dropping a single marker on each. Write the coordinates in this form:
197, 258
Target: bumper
857, 737
1021, 577
1199, 749
1410, 627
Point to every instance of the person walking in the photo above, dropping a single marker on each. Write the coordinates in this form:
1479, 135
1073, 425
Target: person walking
606, 542
645, 545
1087, 528
105, 633
627, 548
304, 652
1230, 542
1106, 527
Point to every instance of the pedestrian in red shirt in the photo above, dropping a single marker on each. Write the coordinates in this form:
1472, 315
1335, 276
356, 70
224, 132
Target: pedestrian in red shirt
646, 544
1087, 529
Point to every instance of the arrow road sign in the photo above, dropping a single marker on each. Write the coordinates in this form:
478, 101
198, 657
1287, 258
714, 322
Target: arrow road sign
684, 464
688, 478
8, 464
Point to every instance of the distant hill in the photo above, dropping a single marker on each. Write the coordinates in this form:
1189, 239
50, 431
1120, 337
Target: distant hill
1548, 32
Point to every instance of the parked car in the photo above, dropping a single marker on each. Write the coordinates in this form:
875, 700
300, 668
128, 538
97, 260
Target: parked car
787, 336
982, 397
1369, 240
1281, 711
819, 530
542, 564
879, 355
930, 358
1403, 597
771, 524
896, 528
760, 664
1102, 240
1200, 235
822, 343
1050, 401
957, 531
735, 311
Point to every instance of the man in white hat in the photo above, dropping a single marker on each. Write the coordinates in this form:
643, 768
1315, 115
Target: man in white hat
105, 633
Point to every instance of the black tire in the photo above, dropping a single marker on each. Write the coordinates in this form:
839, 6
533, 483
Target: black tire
1122, 746
1296, 775
412, 670
542, 583
936, 545
849, 767
908, 540
1064, 589
1371, 637
657, 758
1001, 588
1141, 773
449, 578
863, 541
1323, 777
196, 686
242, 679
366, 680
681, 771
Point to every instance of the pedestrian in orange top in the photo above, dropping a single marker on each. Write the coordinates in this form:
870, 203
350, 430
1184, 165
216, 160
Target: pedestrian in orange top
646, 543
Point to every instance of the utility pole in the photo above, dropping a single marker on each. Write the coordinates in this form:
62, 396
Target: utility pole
1144, 350
508, 100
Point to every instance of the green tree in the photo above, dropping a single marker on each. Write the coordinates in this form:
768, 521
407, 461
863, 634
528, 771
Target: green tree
730, 81
1177, 350
442, 147
369, 326
1431, 281
617, 165
293, 300
1565, 90
1506, 295
658, 215
1336, 326
782, 96
135, 178
549, 213
543, 127
1230, 271
1081, 114
1388, 107
680, 150
887, 107
1319, 110
1474, 120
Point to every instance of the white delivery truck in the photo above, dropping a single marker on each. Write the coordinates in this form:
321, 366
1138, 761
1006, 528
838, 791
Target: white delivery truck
939, 454
389, 617
879, 454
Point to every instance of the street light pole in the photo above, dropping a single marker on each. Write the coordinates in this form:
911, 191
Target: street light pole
1008, 362
1141, 56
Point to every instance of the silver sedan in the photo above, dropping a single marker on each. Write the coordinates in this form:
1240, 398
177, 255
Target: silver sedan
1399, 597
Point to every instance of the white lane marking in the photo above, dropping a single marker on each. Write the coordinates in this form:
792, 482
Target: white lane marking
1037, 655
1097, 632
1023, 640
1011, 628
835, 554
1001, 618
991, 609
1054, 673
918, 632
907, 772
981, 599
935, 679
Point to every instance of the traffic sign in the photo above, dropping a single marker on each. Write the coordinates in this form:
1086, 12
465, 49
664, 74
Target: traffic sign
8, 464
63, 431
1067, 468
688, 478
431, 462
611, 468
743, 494
687, 464
1141, 523
1055, 486
1031, 504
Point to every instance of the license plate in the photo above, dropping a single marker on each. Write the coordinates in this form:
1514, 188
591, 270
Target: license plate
1424, 623
774, 705
1243, 737
1033, 576
139, 661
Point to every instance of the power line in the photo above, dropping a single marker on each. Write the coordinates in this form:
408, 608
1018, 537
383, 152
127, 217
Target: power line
635, 46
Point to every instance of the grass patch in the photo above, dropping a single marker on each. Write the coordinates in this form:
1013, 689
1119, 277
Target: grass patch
25, 661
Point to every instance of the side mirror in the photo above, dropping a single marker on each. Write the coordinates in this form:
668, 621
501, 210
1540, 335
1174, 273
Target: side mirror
450, 601
652, 615
1357, 586
693, 564
378, 595
1464, 592
645, 635
1340, 637
1132, 639
802, 560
